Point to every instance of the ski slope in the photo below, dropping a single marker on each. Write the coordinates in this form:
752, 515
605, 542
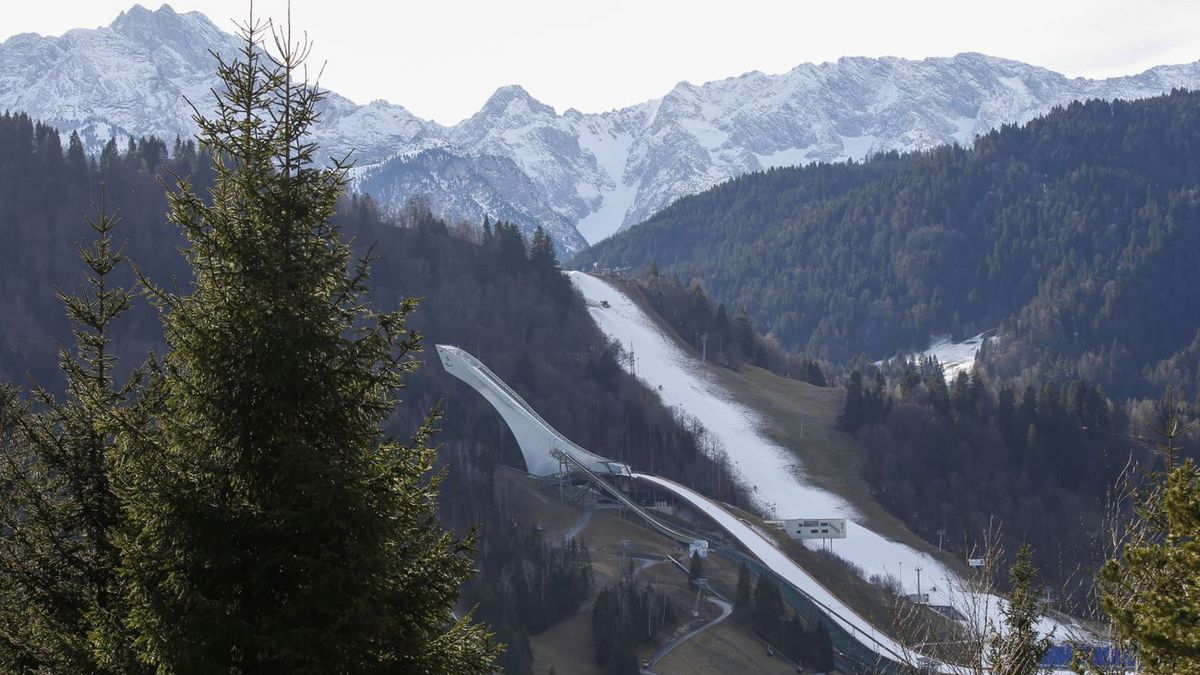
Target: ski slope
543, 447
785, 567
773, 474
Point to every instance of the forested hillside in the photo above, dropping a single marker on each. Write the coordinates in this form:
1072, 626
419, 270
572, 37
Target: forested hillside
1078, 235
487, 290
47, 193
955, 460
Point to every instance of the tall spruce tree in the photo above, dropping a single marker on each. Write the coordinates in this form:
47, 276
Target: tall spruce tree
768, 605
60, 608
275, 527
541, 252
1018, 648
1152, 592
743, 599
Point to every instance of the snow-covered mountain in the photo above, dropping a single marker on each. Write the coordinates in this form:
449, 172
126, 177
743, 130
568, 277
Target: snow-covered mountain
583, 176
138, 74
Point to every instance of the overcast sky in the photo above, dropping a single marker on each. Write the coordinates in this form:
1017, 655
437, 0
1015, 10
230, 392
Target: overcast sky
442, 58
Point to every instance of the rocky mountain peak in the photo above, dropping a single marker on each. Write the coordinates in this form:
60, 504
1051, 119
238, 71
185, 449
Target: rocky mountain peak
574, 172
513, 100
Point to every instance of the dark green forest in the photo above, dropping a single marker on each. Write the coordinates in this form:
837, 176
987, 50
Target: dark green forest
486, 289
1077, 235
47, 193
967, 457
495, 294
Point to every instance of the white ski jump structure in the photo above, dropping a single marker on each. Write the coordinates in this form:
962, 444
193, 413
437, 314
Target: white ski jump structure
547, 452
541, 444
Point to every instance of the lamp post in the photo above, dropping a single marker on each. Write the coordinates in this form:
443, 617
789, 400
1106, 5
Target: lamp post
701, 584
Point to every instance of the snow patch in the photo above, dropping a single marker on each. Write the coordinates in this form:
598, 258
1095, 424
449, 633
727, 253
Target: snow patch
786, 157
772, 473
858, 147
706, 132
1017, 85
955, 357
612, 155
965, 136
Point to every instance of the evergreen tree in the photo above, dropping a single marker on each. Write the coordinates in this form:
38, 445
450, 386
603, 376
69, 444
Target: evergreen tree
1152, 594
76, 157
768, 605
743, 335
854, 411
813, 373
722, 328
488, 237
60, 610
822, 649
275, 528
541, 252
743, 604
1018, 648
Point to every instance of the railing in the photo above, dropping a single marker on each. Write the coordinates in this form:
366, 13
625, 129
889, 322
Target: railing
855, 650
676, 534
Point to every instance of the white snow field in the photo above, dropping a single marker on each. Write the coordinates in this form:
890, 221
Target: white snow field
955, 357
772, 473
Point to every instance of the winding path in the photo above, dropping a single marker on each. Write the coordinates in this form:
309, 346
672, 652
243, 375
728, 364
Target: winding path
726, 610
584, 519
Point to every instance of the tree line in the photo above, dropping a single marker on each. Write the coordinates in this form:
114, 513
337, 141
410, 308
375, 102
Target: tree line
707, 326
483, 286
234, 505
1042, 461
1055, 232
627, 616
758, 605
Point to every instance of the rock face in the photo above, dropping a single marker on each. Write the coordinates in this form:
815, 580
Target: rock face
582, 176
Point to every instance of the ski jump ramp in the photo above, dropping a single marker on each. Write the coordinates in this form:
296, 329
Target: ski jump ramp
540, 443
547, 452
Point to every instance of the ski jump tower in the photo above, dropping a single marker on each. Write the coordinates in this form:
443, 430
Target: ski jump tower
545, 450
860, 646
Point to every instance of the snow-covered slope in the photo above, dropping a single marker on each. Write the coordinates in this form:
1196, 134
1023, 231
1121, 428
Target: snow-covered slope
772, 472
138, 74
607, 171
955, 357
589, 173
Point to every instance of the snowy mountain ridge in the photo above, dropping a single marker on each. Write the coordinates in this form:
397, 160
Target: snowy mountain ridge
582, 175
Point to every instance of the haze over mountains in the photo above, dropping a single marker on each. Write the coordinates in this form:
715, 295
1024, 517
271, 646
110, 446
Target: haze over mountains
582, 176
